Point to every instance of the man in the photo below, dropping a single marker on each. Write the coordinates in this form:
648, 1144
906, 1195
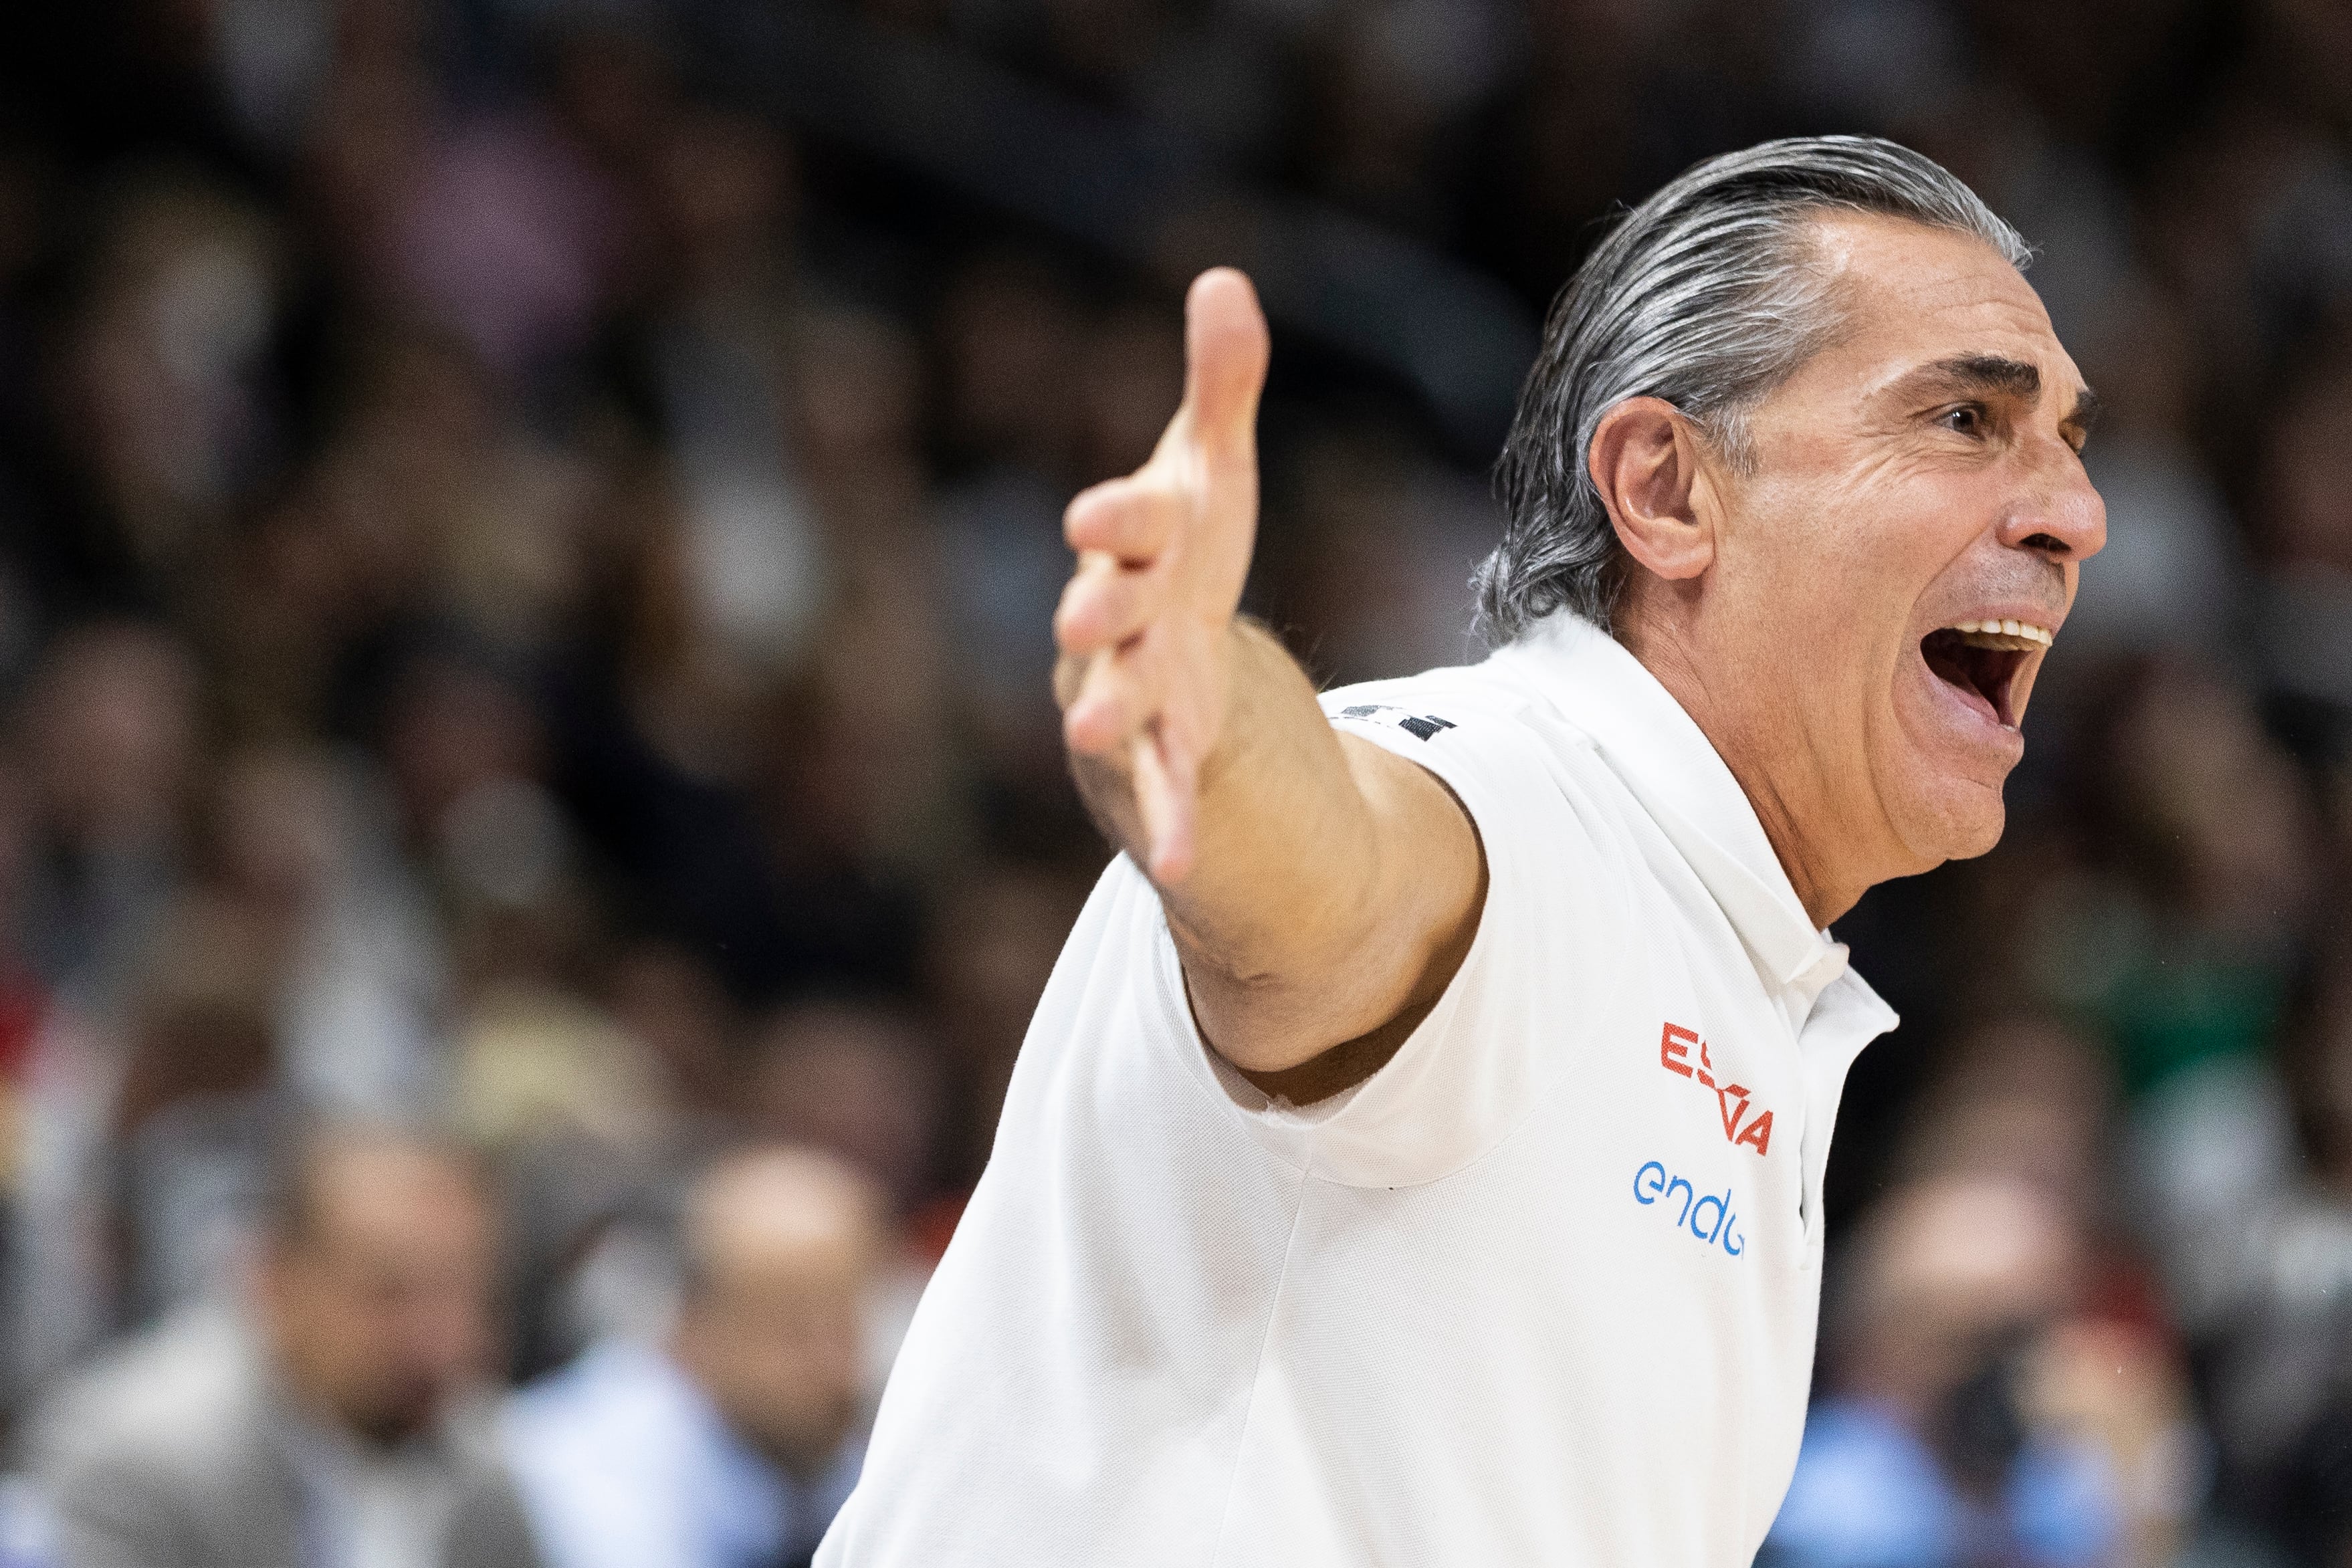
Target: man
732, 1445
858, 1077
338, 1422
1942, 1442
1416, 1156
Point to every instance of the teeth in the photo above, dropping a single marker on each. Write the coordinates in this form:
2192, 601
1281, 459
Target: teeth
2011, 636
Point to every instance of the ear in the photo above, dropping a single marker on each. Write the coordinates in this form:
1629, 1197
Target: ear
1645, 462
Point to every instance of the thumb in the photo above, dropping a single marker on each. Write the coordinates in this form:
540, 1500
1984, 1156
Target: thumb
1225, 349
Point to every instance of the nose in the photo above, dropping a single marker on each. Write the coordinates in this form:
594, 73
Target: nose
2059, 515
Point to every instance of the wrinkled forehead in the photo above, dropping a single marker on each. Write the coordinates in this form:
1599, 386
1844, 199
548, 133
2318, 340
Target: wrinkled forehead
1909, 294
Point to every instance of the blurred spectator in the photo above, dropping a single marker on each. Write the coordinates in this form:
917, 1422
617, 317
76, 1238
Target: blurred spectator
107, 738
2021, 1095
858, 1080
1928, 1452
2182, 939
170, 413
995, 942
585, 1131
2306, 596
732, 1442
1380, 558
2260, 1244
195, 1106
2167, 583
682, 1017
148, 1132
333, 1414
297, 837
2028, 1102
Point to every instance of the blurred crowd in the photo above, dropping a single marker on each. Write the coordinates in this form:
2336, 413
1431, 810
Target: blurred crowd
532, 816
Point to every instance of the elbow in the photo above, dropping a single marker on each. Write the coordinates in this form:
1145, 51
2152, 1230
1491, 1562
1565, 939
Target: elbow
1251, 1017
1266, 1021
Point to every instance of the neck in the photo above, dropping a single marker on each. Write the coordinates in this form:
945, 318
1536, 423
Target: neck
1783, 798
802, 1456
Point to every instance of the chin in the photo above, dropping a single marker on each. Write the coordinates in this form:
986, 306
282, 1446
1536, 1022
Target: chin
1952, 818
1979, 835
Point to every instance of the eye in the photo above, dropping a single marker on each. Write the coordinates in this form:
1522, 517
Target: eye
1963, 419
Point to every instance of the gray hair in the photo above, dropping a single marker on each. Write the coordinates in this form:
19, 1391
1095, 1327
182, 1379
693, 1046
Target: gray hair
1707, 296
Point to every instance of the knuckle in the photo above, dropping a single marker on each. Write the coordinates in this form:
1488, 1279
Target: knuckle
1156, 501
1085, 510
1090, 731
1113, 692
1068, 616
1113, 606
1069, 674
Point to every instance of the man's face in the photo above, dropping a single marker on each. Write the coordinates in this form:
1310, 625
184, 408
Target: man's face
1918, 477
381, 1312
776, 1341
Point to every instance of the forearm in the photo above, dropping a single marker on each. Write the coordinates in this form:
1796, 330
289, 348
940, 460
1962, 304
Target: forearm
1277, 800
1296, 921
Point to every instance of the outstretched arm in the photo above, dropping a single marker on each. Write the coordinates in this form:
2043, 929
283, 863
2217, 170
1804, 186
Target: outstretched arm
1322, 891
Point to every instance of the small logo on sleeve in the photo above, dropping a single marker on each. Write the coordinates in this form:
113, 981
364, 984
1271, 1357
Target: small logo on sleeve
1731, 1098
1421, 726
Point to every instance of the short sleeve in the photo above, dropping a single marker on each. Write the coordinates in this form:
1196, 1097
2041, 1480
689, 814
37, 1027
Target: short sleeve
1478, 1063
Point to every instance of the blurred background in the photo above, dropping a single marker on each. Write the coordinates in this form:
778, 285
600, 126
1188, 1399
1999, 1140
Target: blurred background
532, 818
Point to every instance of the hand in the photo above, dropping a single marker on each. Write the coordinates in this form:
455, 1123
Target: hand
1145, 625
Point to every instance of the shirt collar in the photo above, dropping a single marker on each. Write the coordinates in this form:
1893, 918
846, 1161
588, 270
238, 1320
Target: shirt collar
1672, 769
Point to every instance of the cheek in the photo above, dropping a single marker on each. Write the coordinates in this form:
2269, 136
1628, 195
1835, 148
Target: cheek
1835, 599
1900, 528
1833, 541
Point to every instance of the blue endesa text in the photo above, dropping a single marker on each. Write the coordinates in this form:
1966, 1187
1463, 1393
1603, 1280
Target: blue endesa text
1652, 1182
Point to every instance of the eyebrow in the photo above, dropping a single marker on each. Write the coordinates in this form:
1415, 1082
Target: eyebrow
2084, 414
1996, 374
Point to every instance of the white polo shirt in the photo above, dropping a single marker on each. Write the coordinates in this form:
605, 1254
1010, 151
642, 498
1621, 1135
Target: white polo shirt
1541, 1290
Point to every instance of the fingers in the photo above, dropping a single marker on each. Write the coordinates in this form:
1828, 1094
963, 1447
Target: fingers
1118, 709
1131, 519
1119, 696
1111, 705
1226, 351
1103, 604
1165, 793
1162, 555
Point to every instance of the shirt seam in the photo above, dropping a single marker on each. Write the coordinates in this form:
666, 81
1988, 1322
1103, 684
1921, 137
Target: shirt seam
1257, 1367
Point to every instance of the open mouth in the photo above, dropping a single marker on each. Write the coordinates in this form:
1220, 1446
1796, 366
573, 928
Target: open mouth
1981, 660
